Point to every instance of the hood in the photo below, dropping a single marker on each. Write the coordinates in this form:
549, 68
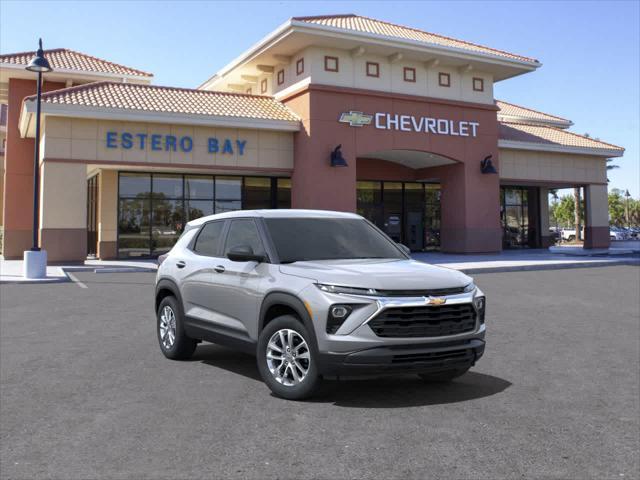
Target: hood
379, 274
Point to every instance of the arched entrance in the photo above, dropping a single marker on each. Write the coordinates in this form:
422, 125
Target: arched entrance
399, 191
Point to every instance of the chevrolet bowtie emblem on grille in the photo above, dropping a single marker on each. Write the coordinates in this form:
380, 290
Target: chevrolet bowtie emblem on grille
435, 300
356, 119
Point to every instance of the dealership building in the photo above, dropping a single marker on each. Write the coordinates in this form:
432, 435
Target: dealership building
337, 112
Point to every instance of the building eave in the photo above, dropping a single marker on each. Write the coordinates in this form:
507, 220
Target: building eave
541, 147
64, 72
129, 115
532, 121
296, 26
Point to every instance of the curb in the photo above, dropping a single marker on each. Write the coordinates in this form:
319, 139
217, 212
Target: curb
558, 266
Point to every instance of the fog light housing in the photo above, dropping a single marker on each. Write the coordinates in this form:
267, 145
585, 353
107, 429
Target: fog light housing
481, 305
337, 315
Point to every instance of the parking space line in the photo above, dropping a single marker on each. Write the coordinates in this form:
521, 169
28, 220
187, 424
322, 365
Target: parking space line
75, 280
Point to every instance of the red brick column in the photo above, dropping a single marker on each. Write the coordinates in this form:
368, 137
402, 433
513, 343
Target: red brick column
18, 176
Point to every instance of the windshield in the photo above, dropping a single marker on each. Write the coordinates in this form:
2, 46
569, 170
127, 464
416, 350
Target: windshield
299, 239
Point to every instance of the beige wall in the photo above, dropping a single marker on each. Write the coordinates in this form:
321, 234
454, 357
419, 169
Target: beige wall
352, 73
63, 195
80, 139
108, 206
597, 211
552, 167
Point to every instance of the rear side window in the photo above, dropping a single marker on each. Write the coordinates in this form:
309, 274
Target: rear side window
209, 239
244, 232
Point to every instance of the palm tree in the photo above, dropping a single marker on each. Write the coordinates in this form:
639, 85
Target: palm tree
576, 210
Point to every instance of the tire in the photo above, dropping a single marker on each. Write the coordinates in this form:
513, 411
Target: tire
295, 377
571, 238
443, 377
182, 347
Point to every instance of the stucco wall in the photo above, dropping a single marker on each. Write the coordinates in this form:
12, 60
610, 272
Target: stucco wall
352, 73
85, 140
551, 167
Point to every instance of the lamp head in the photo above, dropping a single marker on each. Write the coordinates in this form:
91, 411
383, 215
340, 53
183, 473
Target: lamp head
337, 160
39, 62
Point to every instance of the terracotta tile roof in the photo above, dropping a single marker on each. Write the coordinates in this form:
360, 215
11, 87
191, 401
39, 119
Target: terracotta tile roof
517, 132
379, 27
152, 98
65, 59
513, 110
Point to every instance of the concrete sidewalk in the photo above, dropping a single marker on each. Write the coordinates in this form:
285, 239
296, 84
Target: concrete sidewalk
506, 261
11, 270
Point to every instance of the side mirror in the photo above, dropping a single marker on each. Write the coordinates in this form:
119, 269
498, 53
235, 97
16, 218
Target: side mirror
244, 253
404, 248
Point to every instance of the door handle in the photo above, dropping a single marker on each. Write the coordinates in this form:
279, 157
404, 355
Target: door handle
181, 264
219, 269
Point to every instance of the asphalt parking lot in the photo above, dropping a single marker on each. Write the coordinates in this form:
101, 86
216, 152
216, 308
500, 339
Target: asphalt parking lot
86, 393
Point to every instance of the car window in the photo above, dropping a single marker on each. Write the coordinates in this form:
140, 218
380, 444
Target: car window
209, 239
299, 239
244, 232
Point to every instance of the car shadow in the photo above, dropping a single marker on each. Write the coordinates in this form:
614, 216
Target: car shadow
393, 391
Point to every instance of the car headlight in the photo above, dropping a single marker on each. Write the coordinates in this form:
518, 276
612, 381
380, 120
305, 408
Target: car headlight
347, 290
469, 288
481, 307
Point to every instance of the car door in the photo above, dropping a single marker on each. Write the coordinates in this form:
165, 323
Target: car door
203, 290
240, 281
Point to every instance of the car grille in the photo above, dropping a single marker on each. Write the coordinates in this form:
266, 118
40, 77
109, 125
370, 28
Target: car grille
424, 321
436, 359
440, 292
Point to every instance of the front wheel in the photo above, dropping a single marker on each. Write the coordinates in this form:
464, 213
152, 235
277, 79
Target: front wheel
287, 358
443, 377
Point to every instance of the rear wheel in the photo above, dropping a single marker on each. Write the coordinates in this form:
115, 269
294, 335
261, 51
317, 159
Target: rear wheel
287, 359
174, 343
443, 377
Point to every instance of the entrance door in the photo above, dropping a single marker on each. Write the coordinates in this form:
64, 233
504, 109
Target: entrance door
92, 216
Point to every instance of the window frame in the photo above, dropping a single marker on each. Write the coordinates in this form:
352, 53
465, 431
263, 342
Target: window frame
377, 67
280, 76
480, 82
263, 85
223, 236
444, 75
327, 59
266, 245
407, 70
300, 66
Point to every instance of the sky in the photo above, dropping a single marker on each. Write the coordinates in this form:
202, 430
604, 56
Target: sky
590, 51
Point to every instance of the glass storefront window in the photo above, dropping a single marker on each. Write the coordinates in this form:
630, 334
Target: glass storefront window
256, 193
134, 227
283, 199
198, 188
153, 208
198, 208
135, 184
409, 212
167, 186
167, 224
518, 218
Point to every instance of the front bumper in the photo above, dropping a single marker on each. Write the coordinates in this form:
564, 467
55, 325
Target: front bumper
411, 358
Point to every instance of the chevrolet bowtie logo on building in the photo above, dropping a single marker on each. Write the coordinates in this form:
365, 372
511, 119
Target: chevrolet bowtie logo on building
356, 119
436, 301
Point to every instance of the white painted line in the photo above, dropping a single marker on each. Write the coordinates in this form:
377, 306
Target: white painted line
75, 280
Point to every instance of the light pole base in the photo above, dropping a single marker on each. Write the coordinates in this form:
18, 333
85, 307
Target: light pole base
35, 264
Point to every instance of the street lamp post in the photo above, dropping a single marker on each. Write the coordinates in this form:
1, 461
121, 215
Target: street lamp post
35, 260
626, 208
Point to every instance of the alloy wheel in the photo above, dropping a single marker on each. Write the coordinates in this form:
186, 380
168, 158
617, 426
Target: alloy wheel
288, 357
167, 327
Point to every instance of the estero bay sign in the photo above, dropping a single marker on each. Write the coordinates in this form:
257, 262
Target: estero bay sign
411, 123
171, 143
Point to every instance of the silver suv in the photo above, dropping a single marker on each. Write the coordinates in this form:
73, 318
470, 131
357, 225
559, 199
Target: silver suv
314, 294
